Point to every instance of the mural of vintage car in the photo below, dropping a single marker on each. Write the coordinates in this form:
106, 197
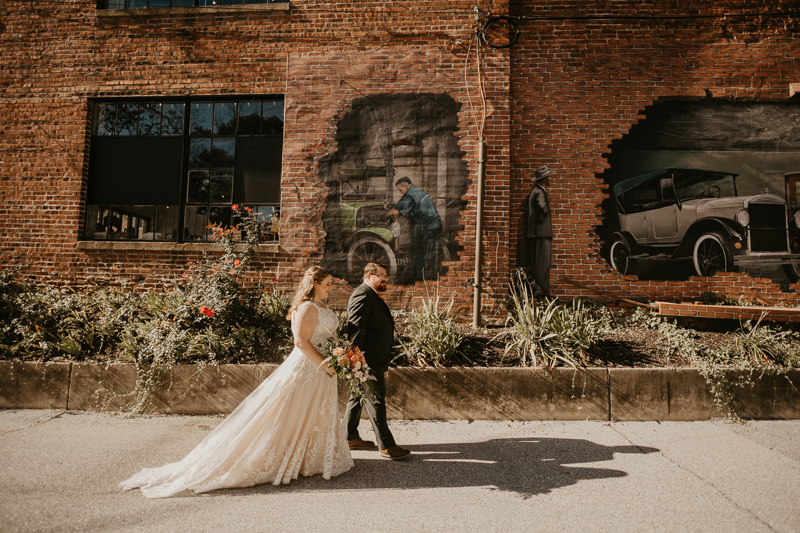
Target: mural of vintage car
360, 229
683, 213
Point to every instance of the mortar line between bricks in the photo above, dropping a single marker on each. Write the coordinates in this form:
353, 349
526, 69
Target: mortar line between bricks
695, 474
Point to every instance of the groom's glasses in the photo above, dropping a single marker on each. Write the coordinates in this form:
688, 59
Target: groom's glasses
381, 276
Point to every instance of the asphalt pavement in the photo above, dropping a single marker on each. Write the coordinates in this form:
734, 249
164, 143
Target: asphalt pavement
59, 471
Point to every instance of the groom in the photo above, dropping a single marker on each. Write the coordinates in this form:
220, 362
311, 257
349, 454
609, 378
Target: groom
371, 328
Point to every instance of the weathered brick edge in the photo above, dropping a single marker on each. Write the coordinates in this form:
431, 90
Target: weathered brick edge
419, 394
693, 310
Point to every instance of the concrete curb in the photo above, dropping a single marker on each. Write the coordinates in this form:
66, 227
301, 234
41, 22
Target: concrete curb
420, 393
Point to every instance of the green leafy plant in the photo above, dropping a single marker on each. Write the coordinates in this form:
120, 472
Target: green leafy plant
206, 316
544, 333
761, 345
433, 335
531, 335
754, 349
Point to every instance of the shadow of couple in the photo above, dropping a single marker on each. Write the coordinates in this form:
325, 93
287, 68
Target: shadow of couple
526, 466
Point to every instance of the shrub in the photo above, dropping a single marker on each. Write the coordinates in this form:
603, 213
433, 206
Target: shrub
755, 349
204, 316
433, 335
547, 334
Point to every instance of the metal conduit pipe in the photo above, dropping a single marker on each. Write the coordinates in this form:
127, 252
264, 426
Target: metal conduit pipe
476, 282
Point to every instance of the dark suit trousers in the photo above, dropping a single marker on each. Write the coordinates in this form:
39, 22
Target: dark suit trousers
376, 410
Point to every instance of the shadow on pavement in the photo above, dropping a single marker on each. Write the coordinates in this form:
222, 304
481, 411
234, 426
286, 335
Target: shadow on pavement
526, 466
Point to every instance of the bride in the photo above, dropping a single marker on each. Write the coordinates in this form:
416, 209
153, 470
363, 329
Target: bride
288, 426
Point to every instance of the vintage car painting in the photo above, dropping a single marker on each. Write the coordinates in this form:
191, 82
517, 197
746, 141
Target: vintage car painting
358, 227
693, 214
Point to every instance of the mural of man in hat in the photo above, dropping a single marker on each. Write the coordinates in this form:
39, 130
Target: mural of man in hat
540, 232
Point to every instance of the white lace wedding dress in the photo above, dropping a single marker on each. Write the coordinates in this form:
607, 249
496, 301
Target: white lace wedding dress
288, 426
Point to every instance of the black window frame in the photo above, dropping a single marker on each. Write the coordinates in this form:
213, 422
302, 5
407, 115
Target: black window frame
106, 210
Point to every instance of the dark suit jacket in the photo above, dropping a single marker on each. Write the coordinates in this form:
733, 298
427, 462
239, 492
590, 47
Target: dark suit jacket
539, 213
371, 326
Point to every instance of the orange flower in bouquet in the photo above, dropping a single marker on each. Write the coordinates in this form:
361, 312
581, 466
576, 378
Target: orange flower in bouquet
349, 363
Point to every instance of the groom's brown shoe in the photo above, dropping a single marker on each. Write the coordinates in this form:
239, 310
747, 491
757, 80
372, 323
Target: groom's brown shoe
359, 444
394, 453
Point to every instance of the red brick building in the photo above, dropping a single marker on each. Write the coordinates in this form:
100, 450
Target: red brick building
90, 194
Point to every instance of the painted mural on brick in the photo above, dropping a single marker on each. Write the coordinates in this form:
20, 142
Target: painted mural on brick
395, 188
707, 186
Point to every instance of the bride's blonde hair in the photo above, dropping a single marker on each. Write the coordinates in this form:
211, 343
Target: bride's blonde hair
305, 290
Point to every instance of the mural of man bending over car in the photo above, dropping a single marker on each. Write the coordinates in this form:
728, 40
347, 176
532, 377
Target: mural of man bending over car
395, 188
417, 205
708, 186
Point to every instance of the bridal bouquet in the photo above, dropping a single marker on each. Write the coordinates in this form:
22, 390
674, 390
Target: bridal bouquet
350, 365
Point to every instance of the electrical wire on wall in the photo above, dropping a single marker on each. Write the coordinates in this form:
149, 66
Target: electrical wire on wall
479, 118
480, 123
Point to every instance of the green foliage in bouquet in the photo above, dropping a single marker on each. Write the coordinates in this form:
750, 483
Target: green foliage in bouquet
351, 367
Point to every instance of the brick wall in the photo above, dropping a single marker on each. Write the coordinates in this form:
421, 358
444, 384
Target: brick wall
578, 84
59, 55
559, 96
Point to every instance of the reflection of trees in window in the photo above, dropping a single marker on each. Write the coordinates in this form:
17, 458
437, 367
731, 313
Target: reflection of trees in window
150, 119
138, 157
225, 118
106, 119
127, 119
172, 119
201, 118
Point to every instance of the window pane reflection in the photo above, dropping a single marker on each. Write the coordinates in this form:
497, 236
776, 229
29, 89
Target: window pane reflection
105, 119
221, 187
272, 118
96, 222
119, 222
201, 119
150, 119
200, 153
173, 119
195, 221
225, 118
167, 217
127, 119
269, 222
198, 187
143, 222
249, 118
222, 153
219, 215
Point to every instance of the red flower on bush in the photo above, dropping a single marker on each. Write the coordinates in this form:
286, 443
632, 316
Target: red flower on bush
206, 311
236, 263
247, 209
235, 206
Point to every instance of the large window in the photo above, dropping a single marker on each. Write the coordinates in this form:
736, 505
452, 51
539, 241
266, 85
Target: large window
142, 4
165, 170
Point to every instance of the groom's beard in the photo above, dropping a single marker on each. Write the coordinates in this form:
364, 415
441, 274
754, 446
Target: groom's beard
382, 286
